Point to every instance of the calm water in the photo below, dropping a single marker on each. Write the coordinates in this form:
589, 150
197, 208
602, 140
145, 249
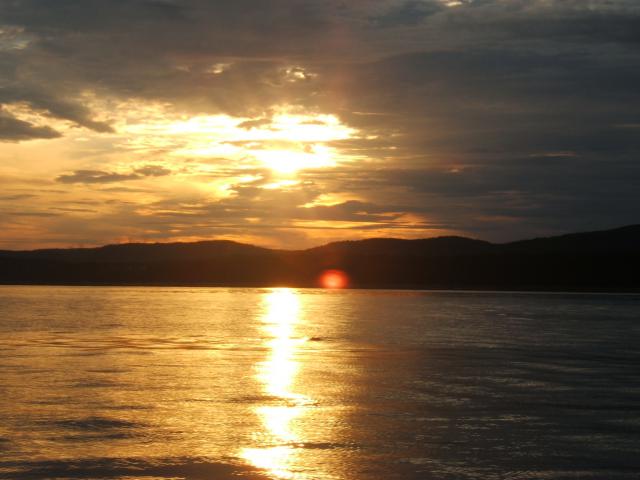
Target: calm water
199, 383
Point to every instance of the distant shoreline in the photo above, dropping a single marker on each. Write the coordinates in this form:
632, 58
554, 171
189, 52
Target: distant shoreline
533, 291
605, 261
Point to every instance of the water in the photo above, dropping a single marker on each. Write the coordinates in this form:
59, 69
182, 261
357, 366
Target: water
200, 383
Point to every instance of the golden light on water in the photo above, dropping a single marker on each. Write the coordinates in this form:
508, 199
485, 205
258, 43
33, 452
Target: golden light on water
277, 376
279, 371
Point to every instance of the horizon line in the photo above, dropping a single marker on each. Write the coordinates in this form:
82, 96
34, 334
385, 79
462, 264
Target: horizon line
150, 243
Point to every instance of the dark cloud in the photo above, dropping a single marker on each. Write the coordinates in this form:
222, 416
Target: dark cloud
17, 196
511, 197
60, 107
32, 214
153, 171
351, 211
99, 176
96, 176
410, 12
14, 130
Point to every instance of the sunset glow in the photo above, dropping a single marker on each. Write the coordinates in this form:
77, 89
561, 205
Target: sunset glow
339, 121
283, 143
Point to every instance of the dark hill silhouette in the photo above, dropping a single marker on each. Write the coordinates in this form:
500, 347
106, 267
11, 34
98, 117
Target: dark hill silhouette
593, 260
395, 246
147, 252
619, 240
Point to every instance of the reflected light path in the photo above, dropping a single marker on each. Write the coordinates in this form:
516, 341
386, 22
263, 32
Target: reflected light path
277, 375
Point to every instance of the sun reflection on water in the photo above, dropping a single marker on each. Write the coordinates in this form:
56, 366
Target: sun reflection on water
277, 375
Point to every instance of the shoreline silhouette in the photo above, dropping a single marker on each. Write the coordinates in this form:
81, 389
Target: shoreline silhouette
605, 260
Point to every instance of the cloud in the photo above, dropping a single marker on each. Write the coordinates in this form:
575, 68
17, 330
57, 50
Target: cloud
96, 176
410, 12
258, 123
99, 176
14, 130
153, 171
61, 107
351, 211
18, 196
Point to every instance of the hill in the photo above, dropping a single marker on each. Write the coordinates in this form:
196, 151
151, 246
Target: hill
606, 260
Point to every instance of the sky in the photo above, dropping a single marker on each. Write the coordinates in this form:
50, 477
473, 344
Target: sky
292, 123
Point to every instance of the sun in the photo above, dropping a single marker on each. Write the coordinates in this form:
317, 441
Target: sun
290, 143
290, 161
